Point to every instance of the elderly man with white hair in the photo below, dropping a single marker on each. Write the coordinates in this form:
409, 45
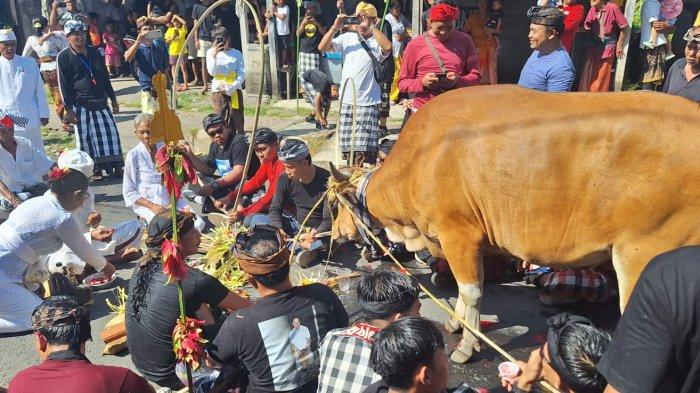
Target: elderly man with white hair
22, 90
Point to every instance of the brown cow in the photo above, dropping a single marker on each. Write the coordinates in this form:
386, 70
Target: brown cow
563, 180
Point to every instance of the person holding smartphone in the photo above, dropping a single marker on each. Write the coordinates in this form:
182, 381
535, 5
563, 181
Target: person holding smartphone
225, 65
151, 56
442, 59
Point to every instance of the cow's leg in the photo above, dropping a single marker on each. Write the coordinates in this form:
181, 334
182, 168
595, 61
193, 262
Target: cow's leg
465, 261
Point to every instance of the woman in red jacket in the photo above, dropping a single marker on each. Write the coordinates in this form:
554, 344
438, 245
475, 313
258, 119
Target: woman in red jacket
266, 146
573, 16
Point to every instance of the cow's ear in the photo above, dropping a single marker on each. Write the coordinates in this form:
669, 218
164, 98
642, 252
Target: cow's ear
350, 196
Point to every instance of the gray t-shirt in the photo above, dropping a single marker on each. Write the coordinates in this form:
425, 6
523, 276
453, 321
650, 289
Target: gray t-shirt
678, 85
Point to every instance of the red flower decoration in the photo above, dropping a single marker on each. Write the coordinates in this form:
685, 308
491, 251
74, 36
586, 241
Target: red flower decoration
57, 173
174, 265
6, 122
188, 341
177, 170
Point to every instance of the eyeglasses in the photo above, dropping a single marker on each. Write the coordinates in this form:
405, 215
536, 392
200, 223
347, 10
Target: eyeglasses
219, 130
690, 36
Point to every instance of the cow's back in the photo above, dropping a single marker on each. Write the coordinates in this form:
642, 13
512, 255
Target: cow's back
549, 176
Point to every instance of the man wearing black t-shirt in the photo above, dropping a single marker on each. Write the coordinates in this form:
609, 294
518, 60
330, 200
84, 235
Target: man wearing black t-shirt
320, 90
301, 185
264, 337
656, 345
227, 156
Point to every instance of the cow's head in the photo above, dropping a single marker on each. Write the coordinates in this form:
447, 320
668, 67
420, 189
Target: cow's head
343, 201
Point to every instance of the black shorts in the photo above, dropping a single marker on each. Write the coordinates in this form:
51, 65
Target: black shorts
285, 42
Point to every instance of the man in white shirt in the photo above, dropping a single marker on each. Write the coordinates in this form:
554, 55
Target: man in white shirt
280, 12
22, 167
300, 339
22, 90
357, 66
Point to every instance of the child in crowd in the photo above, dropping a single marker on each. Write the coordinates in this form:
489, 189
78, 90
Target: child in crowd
175, 37
113, 56
668, 12
94, 30
280, 13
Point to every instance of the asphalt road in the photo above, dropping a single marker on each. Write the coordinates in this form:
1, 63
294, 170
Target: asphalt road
519, 327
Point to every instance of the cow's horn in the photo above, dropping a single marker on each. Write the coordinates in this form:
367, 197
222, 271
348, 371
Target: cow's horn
337, 175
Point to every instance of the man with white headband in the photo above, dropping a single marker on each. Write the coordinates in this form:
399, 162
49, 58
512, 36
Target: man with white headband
22, 90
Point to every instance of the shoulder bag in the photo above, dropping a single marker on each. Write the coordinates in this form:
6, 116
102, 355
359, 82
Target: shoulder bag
381, 74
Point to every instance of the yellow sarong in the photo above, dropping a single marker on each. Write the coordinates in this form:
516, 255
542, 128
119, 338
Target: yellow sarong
229, 79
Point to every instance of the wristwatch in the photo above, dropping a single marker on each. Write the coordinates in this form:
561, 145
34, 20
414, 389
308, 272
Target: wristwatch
215, 184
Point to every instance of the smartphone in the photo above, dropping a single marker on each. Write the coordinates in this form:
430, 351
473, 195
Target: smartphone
441, 76
154, 35
351, 20
61, 5
219, 40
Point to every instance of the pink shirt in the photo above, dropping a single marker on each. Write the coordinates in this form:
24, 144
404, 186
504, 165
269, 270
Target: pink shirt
457, 53
613, 20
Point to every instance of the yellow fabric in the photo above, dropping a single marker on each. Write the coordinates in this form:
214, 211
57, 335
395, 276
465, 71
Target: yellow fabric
148, 104
394, 94
229, 79
697, 19
177, 45
367, 8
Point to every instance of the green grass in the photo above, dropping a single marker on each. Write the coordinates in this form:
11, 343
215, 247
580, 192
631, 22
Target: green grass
269, 111
56, 141
194, 101
49, 96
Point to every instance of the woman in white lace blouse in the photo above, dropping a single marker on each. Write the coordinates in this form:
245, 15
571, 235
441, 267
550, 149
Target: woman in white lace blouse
39, 227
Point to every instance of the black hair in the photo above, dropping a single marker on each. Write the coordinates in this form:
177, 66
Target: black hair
93, 15
143, 280
274, 278
581, 347
388, 286
71, 182
308, 158
400, 348
262, 245
71, 332
220, 31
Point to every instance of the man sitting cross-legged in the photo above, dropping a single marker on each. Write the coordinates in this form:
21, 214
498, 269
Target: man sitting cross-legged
384, 297
266, 147
301, 186
23, 167
61, 329
277, 339
227, 156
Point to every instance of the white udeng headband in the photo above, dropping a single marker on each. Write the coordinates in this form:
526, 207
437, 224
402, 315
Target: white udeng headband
7, 35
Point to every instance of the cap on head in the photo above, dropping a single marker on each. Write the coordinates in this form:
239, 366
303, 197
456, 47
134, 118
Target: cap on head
211, 120
265, 136
293, 150
443, 12
78, 160
693, 34
73, 27
7, 35
547, 16
366, 8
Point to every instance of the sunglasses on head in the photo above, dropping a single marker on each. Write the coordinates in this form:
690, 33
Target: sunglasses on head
215, 131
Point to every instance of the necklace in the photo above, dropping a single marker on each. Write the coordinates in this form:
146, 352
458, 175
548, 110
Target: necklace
87, 66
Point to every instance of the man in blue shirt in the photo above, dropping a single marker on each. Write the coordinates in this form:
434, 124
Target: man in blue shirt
549, 68
151, 56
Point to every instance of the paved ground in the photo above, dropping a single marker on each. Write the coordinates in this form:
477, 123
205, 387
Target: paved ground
519, 317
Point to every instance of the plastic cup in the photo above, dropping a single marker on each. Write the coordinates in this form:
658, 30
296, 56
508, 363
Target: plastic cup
508, 371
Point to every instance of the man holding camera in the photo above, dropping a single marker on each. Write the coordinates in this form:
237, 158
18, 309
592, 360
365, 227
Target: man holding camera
362, 46
442, 59
151, 56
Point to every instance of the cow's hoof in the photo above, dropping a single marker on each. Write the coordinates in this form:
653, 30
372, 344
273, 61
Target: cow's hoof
462, 354
453, 326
